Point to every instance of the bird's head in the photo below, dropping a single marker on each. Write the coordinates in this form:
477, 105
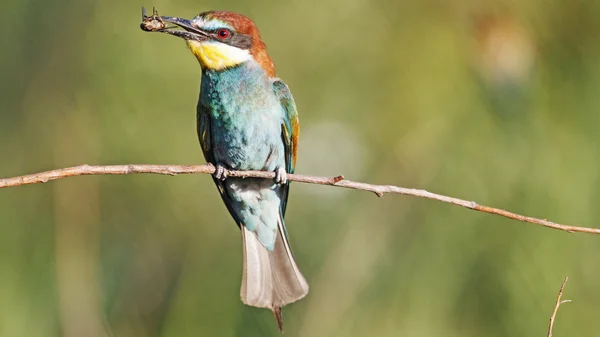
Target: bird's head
220, 39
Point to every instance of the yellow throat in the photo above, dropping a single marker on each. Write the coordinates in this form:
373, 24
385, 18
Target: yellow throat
217, 56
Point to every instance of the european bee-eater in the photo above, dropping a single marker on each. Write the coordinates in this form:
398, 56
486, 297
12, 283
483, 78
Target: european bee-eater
246, 120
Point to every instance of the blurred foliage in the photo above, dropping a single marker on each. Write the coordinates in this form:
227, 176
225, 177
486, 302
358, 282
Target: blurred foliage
494, 101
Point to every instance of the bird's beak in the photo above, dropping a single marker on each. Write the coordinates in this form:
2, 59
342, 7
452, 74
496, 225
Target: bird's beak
156, 23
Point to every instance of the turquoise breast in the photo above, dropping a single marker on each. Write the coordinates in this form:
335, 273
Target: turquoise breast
245, 117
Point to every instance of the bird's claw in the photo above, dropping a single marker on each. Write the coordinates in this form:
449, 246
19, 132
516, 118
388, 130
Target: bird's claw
220, 173
280, 176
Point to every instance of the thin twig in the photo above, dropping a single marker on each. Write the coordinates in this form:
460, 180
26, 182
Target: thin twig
557, 305
338, 181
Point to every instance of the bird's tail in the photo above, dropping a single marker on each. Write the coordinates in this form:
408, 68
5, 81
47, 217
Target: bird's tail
270, 279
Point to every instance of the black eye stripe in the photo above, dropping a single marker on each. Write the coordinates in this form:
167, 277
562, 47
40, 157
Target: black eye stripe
234, 39
215, 31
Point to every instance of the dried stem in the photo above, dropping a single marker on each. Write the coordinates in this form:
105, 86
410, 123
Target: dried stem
338, 181
557, 305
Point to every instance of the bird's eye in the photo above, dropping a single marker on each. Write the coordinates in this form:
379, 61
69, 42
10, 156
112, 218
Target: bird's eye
223, 33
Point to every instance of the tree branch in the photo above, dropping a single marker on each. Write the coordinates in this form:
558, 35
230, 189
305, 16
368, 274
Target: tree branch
338, 181
557, 305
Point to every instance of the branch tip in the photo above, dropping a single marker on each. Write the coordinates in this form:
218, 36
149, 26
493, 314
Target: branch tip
557, 305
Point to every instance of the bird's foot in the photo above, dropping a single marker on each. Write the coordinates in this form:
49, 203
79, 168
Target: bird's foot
280, 176
221, 172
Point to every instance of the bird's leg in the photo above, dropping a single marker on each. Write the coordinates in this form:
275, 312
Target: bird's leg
280, 176
221, 172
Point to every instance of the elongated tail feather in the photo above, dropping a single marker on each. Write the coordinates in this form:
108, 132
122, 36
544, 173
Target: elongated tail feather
270, 279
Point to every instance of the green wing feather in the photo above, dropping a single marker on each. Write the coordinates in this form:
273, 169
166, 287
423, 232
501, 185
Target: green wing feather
204, 135
290, 132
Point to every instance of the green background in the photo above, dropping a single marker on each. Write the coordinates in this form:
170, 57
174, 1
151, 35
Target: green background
495, 101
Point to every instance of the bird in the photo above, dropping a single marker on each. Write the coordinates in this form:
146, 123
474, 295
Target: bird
246, 120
